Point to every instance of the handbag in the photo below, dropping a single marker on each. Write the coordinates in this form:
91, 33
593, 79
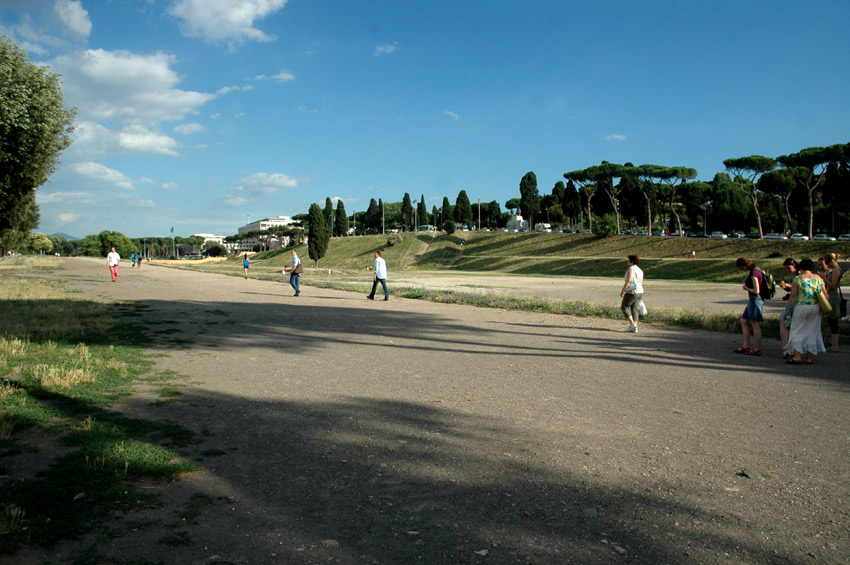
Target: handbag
823, 300
297, 269
642, 308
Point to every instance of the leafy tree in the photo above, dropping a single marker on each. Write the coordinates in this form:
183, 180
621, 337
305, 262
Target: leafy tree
317, 234
341, 220
40, 243
371, 222
586, 185
22, 220
328, 212
34, 128
746, 171
571, 202
512, 204
781, 183
406, 213
463, 209
435, 216
808, 167
422, 211
214, 249
605, 174
449, 226
529, 197
448, 213
673, 178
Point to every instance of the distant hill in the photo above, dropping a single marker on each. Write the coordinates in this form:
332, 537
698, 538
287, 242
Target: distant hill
66, 236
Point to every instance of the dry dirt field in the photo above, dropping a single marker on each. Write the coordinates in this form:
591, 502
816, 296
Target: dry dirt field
333, 429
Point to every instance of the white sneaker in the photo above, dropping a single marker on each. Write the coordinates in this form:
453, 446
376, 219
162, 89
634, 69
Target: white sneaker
632, 328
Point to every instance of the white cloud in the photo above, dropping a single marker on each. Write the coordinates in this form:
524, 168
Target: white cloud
265, 183
452, 115
283, 76
139, 138
190, 128
224, 20
229, 89
74, 17
65, 198
124, 86
236, 201
305, 110
103, 173
616, 137
386, 49
67, 218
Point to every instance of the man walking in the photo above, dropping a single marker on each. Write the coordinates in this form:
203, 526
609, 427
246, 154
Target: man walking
295, 274
112, 259
379, 277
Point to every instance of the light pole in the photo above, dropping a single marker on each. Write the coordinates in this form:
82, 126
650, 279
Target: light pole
415, 216
705, 207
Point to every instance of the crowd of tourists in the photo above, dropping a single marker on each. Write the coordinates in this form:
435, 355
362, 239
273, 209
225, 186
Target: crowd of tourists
809, 323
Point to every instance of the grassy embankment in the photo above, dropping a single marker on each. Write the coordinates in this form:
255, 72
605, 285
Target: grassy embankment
63, 361
543, 255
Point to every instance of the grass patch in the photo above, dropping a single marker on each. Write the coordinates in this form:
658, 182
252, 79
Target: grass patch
63, 362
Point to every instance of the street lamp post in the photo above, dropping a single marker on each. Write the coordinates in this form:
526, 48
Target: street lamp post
415, 216
705, 207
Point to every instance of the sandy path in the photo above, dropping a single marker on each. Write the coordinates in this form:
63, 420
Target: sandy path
411, 431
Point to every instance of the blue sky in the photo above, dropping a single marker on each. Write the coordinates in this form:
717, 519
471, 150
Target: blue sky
205, 114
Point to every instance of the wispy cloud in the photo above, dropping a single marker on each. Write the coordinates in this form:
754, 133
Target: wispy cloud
74, 17
103, 173
265, 183
189, 128
616, 137
452, 115
385, 49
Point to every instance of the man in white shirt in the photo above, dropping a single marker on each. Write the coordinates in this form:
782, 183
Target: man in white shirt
379, 277
112, 259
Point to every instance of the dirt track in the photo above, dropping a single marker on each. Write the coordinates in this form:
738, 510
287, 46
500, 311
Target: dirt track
353, 431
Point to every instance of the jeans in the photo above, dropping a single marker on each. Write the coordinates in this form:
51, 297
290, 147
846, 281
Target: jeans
375, 286
293, 281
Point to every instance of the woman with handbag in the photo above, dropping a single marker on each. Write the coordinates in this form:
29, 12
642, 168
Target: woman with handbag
632, 293
805, 336
832, 278
295, 273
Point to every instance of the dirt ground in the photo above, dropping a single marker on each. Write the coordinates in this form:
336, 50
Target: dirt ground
333, 429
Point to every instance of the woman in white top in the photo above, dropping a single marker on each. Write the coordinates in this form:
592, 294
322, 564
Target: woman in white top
632, 293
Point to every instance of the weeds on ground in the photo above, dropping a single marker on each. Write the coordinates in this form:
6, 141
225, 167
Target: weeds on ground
63, 361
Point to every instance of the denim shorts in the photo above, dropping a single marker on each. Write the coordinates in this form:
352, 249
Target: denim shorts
754, 312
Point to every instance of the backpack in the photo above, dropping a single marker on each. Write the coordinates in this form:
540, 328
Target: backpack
768, 289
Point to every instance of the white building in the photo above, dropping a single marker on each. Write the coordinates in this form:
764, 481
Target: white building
210, 237
516, 223
266, 223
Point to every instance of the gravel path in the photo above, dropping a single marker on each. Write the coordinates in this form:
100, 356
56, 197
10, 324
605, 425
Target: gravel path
336, 429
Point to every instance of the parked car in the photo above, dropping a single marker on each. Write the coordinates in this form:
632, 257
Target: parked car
844, 237
640, 232
718, 235
774, 236
799, 237
753, 235
823, 237
658, 233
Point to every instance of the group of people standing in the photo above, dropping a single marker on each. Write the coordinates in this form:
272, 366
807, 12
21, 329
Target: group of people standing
814, 295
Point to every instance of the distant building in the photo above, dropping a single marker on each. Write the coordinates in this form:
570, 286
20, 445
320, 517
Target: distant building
516, 223
210, 237
266, 223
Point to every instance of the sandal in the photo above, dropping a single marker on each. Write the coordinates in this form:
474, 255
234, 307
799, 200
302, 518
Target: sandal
755, 352
743, 350
793, 361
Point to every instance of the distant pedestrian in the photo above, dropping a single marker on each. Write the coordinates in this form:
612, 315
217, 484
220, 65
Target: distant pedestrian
132, 260
380, 276
632, 293
295, 274
112, 260
788, 314
754, 312
139, 258
246, 264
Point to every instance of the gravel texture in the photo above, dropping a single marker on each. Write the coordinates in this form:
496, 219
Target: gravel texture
334, 429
